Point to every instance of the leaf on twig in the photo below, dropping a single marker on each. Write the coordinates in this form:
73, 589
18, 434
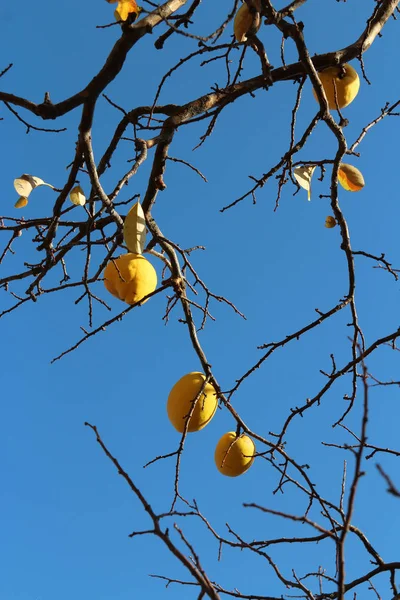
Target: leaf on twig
350, 178
77, 196
135, 229
21, 202
24, 185
125, 9
245, 20
330, 222
303, 177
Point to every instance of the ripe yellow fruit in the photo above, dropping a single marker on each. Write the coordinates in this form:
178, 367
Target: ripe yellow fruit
180, 402
346, 85
234, 455
130, 277
243, 21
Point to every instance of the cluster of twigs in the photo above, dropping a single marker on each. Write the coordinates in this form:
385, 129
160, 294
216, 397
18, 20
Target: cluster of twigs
154, 126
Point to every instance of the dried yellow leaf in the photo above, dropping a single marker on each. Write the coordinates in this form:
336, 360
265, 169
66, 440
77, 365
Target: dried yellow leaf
21, 202
303, 177
126, 8
330, 222
350, 178
26, 183
244, 21
77, 196
135, 229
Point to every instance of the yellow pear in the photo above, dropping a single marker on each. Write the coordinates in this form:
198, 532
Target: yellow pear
130, 277
234, 454
181, 398
341, 84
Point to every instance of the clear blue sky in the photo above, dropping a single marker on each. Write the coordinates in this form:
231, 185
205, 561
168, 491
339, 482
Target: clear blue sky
66, 514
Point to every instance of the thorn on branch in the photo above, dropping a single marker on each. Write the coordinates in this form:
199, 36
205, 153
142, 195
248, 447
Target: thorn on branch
159, 183
4, 71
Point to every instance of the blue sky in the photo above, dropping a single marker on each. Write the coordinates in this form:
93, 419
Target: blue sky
66, 513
